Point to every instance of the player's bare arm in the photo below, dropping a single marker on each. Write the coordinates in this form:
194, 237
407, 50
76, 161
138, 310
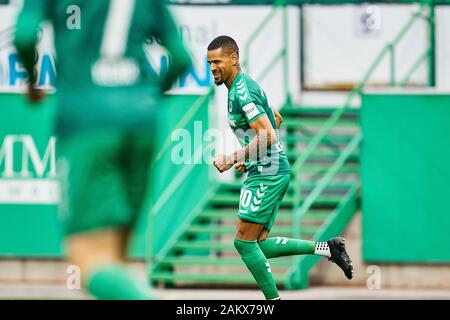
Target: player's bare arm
26, 40
265, 138
240, 166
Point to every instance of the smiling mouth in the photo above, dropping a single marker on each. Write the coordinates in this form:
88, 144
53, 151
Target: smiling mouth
217, 78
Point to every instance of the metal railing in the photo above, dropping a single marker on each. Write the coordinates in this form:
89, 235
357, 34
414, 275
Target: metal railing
282, 53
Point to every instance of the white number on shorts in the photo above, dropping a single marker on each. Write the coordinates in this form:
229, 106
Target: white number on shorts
246, 197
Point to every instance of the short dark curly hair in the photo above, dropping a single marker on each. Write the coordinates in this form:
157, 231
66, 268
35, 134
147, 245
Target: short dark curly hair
224, 42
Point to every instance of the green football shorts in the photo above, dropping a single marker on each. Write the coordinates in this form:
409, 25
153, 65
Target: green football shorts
104, 178
261, 198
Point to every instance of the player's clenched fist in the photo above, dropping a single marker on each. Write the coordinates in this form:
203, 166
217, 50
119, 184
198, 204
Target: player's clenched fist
240, 166
222, 163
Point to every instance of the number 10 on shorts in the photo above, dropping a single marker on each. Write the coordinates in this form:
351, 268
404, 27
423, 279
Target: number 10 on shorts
250, 201
246, 198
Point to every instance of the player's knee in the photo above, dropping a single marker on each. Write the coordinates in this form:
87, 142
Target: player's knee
244, 247
240, 234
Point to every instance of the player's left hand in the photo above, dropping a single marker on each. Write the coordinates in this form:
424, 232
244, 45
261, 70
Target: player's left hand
222, 163
35, 95
240, 166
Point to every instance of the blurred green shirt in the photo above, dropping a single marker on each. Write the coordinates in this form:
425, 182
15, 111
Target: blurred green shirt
104, 79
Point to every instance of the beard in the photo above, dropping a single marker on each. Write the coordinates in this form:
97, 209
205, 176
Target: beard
220, 80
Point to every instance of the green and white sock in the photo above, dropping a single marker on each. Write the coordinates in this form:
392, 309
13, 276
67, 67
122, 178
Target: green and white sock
322, 249
281, 247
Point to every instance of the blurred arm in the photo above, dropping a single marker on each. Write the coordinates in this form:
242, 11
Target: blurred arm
168, 34
26, 36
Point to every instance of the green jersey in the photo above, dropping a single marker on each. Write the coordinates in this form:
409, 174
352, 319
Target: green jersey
103, 75
246, 103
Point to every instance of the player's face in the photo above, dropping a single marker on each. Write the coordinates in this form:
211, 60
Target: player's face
220, 65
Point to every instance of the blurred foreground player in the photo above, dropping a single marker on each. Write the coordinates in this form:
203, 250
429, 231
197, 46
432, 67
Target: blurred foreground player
107, 99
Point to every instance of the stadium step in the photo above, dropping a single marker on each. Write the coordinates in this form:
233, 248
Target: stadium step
236, 186
282, 217
339, 140
348, 168
237, 279
217, 261
233, 200
321, 156
295, 123
324, 111
214, 229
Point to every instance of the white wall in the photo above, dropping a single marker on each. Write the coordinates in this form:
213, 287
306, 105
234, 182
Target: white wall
8, 16
338, 51
204, 23
333, 32
443, 47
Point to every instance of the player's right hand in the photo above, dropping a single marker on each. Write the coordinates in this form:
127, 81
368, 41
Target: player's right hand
223, 163
240, 166
34, 94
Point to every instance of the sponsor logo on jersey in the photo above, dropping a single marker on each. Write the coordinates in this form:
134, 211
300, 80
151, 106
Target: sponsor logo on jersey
250, 110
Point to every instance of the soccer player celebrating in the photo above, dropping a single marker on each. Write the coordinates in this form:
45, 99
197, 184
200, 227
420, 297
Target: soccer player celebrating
254, 123
107, 101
